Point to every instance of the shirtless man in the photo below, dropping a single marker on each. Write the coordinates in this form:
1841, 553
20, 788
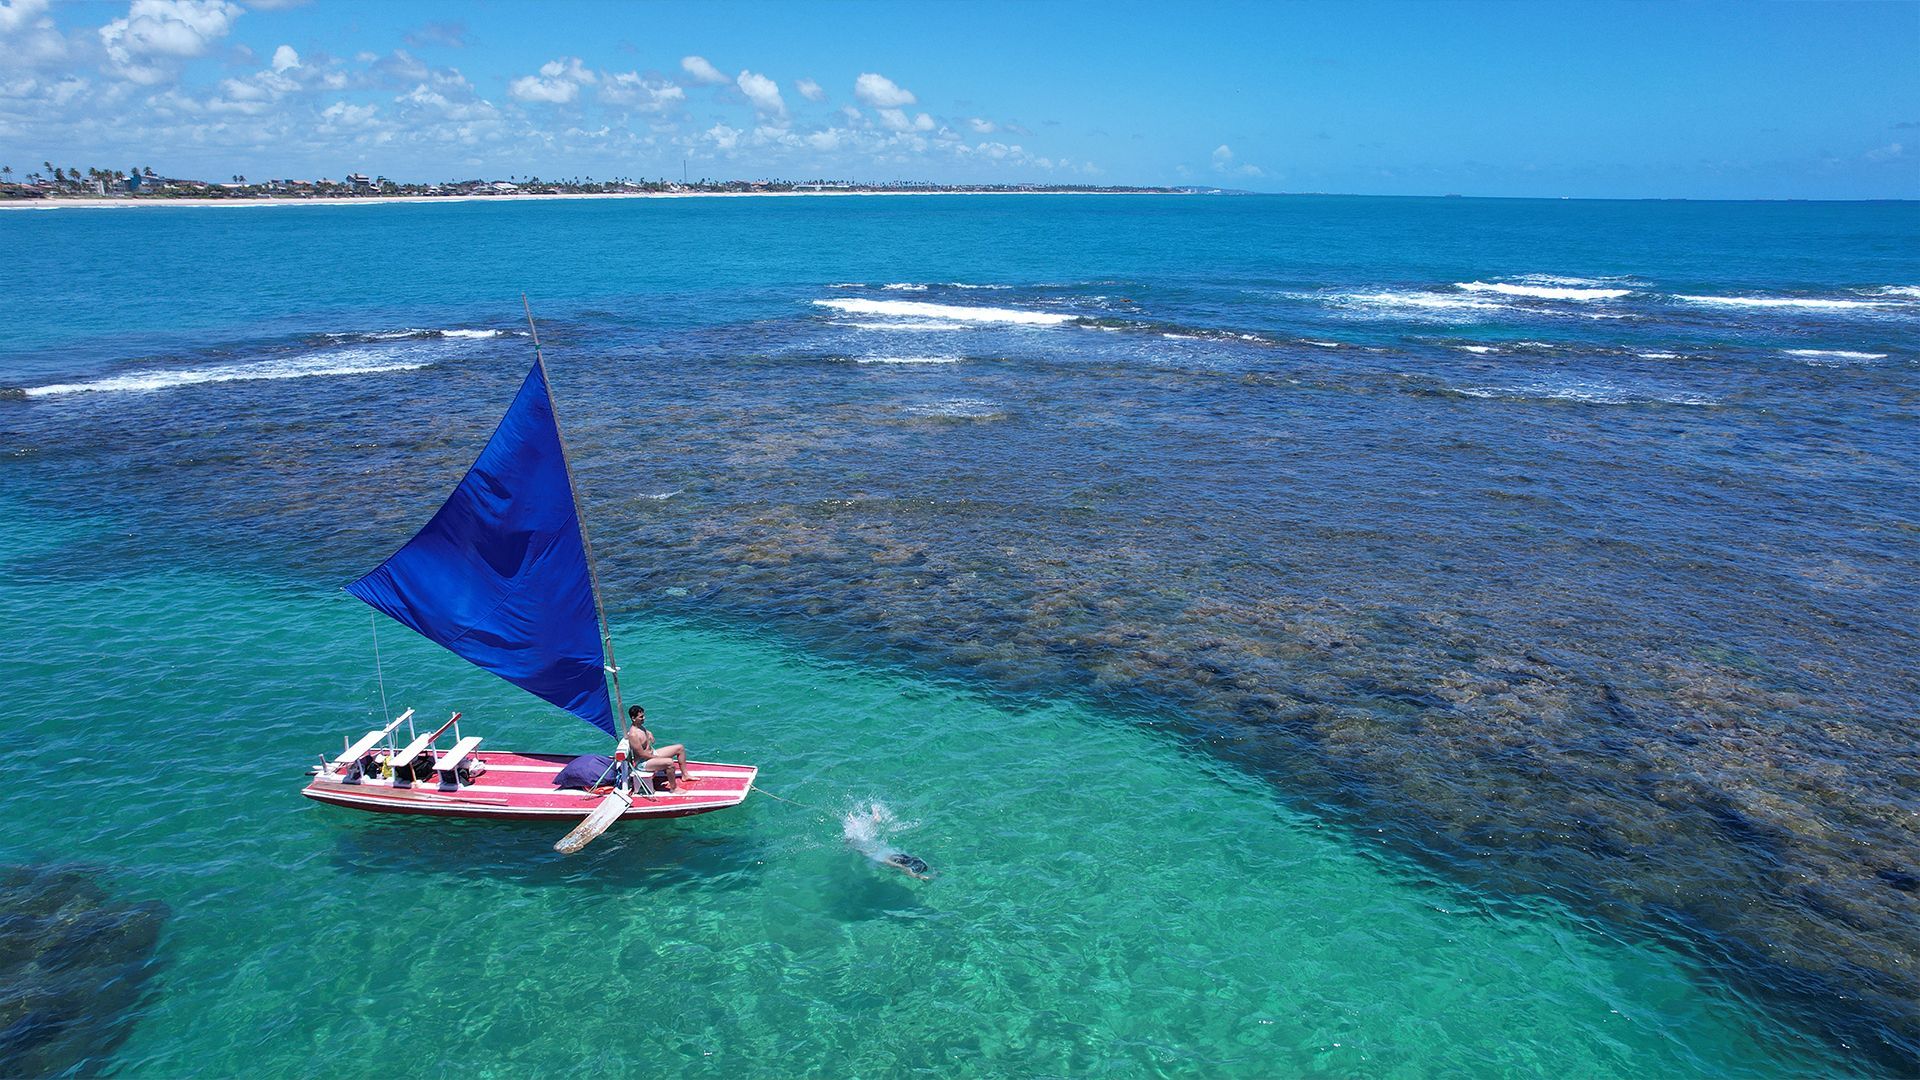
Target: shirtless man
654, 759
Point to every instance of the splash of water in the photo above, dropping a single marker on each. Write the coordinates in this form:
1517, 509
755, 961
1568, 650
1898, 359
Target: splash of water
870, 828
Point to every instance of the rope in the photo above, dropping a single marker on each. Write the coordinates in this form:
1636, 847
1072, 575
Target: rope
374, 621
790, 802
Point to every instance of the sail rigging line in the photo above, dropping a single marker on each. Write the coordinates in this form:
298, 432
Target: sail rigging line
580, 519
373, 620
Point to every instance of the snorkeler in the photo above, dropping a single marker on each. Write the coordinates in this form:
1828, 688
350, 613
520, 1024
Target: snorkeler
864, 829
911, 865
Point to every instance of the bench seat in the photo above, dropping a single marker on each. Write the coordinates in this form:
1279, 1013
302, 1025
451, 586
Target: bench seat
368, 741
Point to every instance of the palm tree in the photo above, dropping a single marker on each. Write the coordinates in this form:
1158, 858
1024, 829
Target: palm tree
7, 171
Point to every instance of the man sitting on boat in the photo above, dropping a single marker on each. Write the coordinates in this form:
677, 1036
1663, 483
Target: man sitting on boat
671, 759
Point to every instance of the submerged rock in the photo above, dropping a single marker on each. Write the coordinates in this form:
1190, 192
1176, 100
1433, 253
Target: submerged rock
73, 961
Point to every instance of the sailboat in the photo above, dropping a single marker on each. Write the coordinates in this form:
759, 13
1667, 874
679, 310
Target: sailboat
503, 577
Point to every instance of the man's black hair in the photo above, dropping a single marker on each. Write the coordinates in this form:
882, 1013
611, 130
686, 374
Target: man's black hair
635, 712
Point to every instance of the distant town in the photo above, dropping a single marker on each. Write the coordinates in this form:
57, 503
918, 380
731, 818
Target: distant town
142, 182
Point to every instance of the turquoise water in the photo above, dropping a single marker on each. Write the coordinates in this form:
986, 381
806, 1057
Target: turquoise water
1379, 637
1104, 903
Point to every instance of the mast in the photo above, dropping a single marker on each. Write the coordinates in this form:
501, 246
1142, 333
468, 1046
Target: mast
580, 519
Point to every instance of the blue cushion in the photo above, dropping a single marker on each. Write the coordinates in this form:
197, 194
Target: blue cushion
585, 771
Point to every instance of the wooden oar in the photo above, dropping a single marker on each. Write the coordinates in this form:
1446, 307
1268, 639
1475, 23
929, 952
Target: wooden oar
605, 814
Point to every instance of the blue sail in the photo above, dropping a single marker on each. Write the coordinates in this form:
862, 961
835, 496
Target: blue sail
499, 576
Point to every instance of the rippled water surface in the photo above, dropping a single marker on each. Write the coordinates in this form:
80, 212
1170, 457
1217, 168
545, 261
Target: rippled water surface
1383, 636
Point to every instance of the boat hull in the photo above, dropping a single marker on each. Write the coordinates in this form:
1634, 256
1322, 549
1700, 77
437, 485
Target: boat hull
519, 787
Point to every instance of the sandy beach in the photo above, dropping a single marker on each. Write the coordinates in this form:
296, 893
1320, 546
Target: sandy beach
122, 203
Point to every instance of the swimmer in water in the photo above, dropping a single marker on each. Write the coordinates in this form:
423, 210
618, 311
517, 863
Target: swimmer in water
911, 865
864, 829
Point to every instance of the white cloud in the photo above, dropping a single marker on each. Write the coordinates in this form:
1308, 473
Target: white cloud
723, 137
702, 71
156, 32
810, 90
881, 92
827, 139
284, 57
763, 92
341, 114
1223, 161
982, 127
15, 14
558, 83
644, 95
897, 120
1889, 152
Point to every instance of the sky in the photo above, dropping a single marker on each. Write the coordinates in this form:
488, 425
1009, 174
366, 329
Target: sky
1637, 100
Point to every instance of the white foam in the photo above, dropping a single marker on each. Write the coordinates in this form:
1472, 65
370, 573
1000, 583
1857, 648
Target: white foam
959, 409
1541, 292
1483, 349
907, 359
1563, 279
917, 326
336, 362
1658, 355
1181, 337
1590, 393
1418, 301
415, 332
916, 309
1816, 302
905, 286
1835, 354
964, 285
1904, 292
1320, 344
871, 828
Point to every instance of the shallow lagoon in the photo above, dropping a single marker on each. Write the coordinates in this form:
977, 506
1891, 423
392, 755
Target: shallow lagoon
1483, 654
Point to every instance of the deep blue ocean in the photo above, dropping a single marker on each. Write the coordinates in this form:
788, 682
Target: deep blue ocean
1376, 636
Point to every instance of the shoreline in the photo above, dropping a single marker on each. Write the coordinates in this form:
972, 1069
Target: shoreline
97, 202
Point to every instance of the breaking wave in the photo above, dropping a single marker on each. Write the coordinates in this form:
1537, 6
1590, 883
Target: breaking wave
416, 333
337, 362
1542, 292
907, 359
918, 326
1832, 356
1588, 393
1418, 304
916, 309
1814, 302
